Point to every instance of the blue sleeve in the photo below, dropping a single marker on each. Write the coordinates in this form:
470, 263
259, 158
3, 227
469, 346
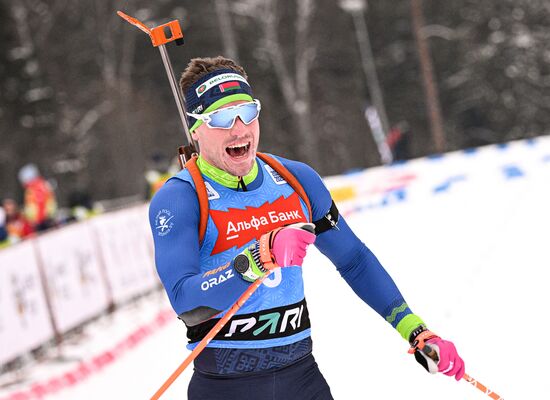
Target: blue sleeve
174, 220
354, 261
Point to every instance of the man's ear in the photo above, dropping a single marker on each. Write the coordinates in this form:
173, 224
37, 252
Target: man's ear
195, 136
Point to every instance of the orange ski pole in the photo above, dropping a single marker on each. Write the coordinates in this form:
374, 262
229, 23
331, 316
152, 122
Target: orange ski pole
478, 385
213, 332
483, 388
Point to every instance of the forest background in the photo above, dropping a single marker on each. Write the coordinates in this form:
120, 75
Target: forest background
84, 95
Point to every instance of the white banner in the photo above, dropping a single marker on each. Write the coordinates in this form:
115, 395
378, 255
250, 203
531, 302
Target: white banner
126, 247
24, 317
429, 179
76, 285
141, 213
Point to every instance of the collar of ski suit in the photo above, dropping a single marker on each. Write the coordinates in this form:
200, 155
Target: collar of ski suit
224, 178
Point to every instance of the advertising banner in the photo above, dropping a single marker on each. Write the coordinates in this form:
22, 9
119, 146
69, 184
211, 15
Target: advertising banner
76, 284
24, 317
127, 252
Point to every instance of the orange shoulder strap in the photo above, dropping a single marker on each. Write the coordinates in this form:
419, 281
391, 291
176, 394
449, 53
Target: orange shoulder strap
198, 180
202, 195
287, 176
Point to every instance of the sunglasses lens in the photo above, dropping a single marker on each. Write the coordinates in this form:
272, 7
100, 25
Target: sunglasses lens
248, 112
225, 117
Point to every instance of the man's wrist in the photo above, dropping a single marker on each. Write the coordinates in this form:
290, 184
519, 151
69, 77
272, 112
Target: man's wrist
248, 264
419, 339
408, 324
416, 332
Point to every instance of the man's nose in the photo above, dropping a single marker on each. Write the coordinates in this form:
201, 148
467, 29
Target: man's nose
239, 127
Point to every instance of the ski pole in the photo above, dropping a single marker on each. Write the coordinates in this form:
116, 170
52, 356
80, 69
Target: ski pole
430, 352
475, 383
210, 335
159, 39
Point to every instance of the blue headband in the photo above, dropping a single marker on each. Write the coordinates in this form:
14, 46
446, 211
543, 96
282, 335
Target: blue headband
214, 90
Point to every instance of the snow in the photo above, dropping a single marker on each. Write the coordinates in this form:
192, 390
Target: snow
472, 261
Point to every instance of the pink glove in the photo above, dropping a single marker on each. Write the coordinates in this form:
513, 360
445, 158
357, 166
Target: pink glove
282, 247
291, 242
437, 355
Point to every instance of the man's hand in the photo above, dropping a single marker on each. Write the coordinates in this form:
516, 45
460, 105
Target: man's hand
436, 354
290, 244
282, 247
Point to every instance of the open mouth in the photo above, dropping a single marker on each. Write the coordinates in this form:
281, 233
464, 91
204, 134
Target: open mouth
238, 150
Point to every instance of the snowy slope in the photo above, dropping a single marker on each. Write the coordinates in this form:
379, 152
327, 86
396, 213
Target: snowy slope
471, 257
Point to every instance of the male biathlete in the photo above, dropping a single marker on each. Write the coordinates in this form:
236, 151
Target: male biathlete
263, 213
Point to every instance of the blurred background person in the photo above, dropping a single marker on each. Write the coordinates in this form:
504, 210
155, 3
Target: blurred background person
81, 205
161, 168
40, 202
3, 232
398, 141
17, 226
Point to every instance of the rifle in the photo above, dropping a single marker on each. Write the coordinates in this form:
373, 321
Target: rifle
160, 39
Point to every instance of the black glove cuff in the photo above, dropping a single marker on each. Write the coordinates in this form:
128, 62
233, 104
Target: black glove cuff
416, 332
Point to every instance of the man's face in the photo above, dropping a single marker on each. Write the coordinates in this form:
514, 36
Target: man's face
232, 150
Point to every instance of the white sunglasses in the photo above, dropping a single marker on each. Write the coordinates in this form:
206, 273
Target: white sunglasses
224, 118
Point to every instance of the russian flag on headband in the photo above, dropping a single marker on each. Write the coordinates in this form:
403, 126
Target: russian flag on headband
227, 86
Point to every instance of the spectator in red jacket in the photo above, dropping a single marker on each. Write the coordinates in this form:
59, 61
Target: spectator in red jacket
40, 202
17, 225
